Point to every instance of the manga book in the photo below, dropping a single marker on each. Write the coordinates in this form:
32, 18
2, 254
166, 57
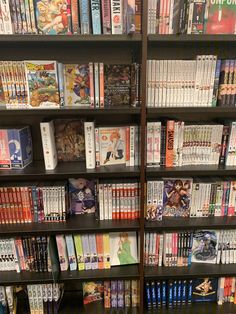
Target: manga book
52, 16
69, 136
42, 84
77, 85
92, 292
176, 197
205, 245
112, 142
2, 98
117, 85
204, 290
82, 196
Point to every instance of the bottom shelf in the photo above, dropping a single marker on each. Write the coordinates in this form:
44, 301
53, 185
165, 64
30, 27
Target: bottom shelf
197, 308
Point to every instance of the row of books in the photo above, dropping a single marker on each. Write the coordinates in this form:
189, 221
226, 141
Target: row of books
204, 82
195, 17
119, 200
49, 84
226, 290
82, 252
65, 17
8, 302
35, 202
184, 197
184, 248
176, 143
113, 294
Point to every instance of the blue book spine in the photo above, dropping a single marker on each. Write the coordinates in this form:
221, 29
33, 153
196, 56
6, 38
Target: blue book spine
35, 203
184, 292
96, 16
158, 293
175, 293
190, 244
190, 291
15, 149
227, 199
84, 17
216, 83
179, 292
170, 294
153, 295
163, 293
25, 140
148, 295
71, 252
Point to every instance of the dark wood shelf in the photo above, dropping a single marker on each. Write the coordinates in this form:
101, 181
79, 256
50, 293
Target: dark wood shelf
199, 170
66, 111
24, 277
196, 270
128, 272
36, 171
74, 224
185, 38
180, 223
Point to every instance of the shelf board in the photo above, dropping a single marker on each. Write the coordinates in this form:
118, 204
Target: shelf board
24, 277
199, 170
196, 270
175, 223
66, 111
116, 272
64, 170
184, 38
74, 224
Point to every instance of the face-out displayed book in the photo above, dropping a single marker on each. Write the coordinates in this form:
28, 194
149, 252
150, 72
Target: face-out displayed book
123, 248
204, 290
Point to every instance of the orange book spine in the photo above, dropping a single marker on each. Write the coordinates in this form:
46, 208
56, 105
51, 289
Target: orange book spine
125, 213
136, 193
99, 244
129, 199
7, 206
24, 204
101, 78
31, 213
170, 143
117, 201
16, 205
12, 210
122, 201
114, 202
127, 146
27, 202
20, 206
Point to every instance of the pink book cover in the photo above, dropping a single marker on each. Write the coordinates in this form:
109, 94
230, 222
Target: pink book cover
106, 17
5, 162
62, 252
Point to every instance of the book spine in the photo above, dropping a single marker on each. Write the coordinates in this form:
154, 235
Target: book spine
106, 252
84, 16
170, 143
91, 82
71, 252
49, 146
96, 84
79, 252
96, 16
89, 144
106, 17
116, 17
60, 69
127, 145
99, 244
101, 84
138, 10
75, 17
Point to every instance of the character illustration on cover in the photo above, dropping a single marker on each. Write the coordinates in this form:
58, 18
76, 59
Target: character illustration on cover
204, 287
79, 83
92, 292
115, 148
176, 198
82, 196
124, 250
206, 246
43, 88
52, 16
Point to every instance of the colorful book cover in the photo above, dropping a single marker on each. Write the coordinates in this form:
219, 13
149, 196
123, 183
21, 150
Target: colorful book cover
117, 84
176, 197
93, 251
198, 17
107, 294
127, 293
77, 85
2, 95
82, 196
52, 17
106, 251
86, 250
123, 248
112, 142
106, 17
62, 252
42, 84
69, 136
92, 292
205, 245
120, 293
221, 17
204, 290
79, 252
5, 161
71, 252
84, 16
96, 16
114, 294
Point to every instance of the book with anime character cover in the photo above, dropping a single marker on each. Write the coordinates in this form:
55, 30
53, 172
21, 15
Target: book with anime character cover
69, 138
92, 292
176, 197
204, 290
220, 17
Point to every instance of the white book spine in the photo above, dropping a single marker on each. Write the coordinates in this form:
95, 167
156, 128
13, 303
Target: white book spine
89, 134
49, 146
132, 145
116, 17
156, 143
109, 201
96, 85
105, 201
157, 82
150, 139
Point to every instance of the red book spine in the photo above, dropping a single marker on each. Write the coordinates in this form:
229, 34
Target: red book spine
11, 205
20, 205
24, 205
129, 215
28, 208
1, 209
114, 202
117, 201
75, 16
16, 205
31, 204
125, 213
136, 193
127, 136
7, 206
121, 201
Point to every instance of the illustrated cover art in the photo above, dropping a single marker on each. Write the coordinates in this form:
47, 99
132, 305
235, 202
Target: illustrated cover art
123, 248
69, 137
92, 292
77, 84
2, 98
205, 245
198, 17
176, 197
82, 196
204, 290
117, 85
221, 17
52, 16
112, 144
42, 84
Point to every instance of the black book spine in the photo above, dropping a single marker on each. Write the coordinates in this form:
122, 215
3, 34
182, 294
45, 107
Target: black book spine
34, 253
163, 145
39, 255
44, 253
26, 253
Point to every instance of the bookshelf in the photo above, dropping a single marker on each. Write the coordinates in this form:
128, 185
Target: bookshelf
117, 49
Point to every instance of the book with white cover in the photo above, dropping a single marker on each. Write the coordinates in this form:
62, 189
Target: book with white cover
49, 146
89, 134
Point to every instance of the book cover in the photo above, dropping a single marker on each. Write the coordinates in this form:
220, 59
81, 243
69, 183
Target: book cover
96, 16
75, 16
52, 17
99, 245
42, 84
176, 197
120, 293
107, 294
112, 142
71, 252
82, 196
77, 85
92, 292
106, 251
86, 250
93, 251
221, 17
204, 290
114, 291
204, 247
89, 133
117, 85
5, 161
62, 252
197, 22
116, 16
84, 16
123, 248
106, 17
49, 145
69, 137
79, 252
